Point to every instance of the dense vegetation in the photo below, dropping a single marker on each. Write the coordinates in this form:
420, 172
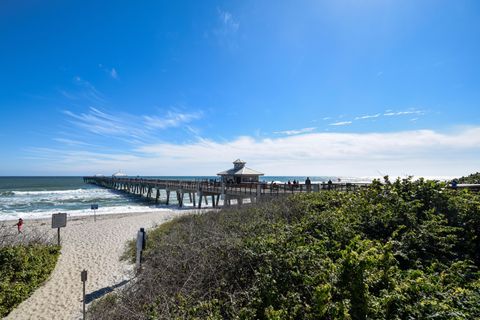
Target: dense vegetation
473, 178
26, 261
398, 250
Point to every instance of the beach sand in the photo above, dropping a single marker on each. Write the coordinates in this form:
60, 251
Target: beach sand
94, 246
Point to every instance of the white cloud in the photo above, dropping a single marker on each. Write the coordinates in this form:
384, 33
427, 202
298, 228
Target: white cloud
71, 142
402, 113
416, 152
340, 123
230, 25
113, 73
102, 123
127, 127
368, 117
297, 131
87, 91
170, 120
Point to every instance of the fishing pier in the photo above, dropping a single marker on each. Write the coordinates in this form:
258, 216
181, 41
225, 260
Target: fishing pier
198, 192
237, 185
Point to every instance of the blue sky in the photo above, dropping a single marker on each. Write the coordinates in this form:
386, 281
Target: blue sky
353, 88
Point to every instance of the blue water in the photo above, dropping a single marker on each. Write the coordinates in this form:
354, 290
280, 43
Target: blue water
39, 197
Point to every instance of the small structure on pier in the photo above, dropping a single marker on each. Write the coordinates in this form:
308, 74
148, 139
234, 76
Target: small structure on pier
119, 174
239, 173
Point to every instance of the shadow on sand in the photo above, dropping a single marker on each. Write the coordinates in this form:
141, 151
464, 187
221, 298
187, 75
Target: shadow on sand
101, 292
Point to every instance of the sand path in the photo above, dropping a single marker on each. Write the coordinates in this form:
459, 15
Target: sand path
94, 246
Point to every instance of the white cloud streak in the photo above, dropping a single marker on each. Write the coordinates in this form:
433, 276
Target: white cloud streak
341, 123
127, 127
84, 91
171, 119
368, 117
296, 131
387, 113
402, 113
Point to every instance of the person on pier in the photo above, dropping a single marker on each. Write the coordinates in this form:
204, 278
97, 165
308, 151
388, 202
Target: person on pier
308, 184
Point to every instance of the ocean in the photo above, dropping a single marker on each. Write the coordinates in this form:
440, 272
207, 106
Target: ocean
39, 197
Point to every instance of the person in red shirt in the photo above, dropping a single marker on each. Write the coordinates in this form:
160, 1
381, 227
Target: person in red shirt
19, 225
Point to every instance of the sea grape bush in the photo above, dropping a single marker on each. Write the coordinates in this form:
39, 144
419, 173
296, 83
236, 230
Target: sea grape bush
398, 249
26, 261
473, 178
22, 269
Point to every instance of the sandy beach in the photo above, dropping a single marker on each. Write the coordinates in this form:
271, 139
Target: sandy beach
94, 246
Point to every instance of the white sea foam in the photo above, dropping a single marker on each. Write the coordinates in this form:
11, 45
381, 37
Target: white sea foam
87, 212
19, 198
42, 204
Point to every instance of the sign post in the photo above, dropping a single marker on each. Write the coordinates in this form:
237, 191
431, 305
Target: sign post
59, 220
141, 242
83, 276
94, 207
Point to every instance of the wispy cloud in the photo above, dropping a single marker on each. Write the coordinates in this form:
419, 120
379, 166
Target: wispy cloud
127, 127
171, 119
228, 23
102, 123
402, 113
368, 117
113, 73
387, 113
340, 123
297, 131
87, 91
72, 142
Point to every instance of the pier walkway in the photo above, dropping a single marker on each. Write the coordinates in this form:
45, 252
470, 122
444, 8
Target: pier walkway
202, 190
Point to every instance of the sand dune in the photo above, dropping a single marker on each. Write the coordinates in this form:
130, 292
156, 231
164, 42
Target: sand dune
94, 246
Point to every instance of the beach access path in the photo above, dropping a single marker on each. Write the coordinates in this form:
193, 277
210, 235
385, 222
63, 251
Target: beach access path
94, 246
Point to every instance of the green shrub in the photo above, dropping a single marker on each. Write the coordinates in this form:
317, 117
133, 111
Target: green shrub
22, 269
473, 178
395, 250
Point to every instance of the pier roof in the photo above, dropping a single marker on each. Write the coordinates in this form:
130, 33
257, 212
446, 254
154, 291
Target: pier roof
239, 169
240, 172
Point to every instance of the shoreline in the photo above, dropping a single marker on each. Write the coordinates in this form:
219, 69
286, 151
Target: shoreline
95, 247
89, 215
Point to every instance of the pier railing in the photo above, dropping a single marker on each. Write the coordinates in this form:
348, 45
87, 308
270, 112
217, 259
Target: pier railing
217, 187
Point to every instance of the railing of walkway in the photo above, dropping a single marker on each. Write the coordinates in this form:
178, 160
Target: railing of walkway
261, 188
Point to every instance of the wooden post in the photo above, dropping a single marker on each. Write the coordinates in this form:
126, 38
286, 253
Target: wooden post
168, 197
83, 277
200, 196
157, 196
